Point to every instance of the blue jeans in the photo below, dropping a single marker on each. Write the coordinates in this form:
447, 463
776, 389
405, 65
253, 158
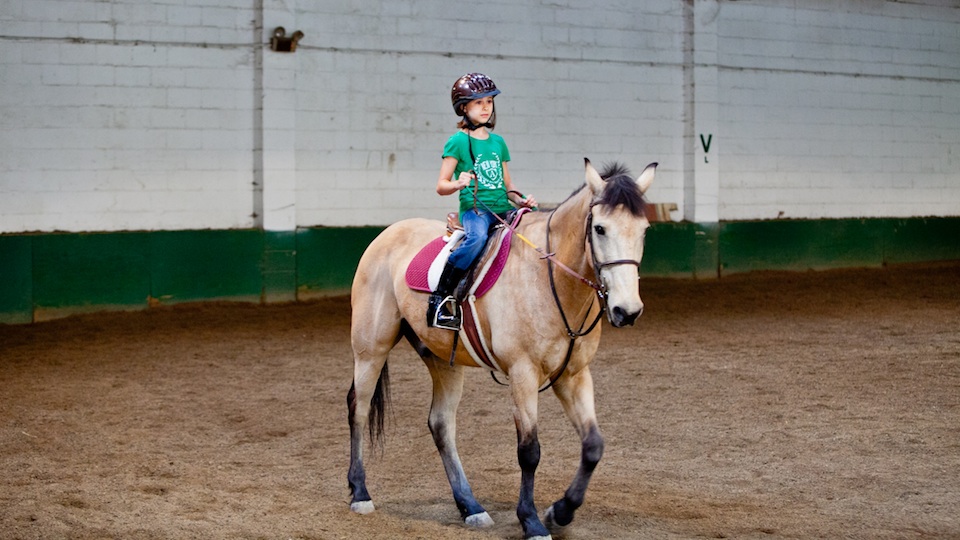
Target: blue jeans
477, 227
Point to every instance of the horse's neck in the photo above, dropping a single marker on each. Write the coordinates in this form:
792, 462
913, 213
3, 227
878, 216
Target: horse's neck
568, 242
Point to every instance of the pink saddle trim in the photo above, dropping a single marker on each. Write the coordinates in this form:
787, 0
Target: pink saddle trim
490, 276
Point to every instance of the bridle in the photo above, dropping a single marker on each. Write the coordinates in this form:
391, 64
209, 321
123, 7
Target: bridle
598, 286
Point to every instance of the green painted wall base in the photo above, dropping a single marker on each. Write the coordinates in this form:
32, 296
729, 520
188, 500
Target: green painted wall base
44, 276
328, 257
836, 243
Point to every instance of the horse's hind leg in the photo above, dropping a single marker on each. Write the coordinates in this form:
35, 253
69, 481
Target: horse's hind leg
576, 395
358, 411
372, 340
447, 391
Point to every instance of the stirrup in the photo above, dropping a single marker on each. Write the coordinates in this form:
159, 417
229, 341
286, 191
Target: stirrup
446, 315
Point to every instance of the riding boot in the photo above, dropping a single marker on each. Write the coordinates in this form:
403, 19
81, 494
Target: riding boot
443, 309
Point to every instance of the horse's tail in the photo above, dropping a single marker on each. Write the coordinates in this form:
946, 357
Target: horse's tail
378, 407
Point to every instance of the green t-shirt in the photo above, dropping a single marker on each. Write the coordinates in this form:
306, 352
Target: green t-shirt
490, 153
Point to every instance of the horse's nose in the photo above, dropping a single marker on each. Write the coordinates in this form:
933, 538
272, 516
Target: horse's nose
623, 318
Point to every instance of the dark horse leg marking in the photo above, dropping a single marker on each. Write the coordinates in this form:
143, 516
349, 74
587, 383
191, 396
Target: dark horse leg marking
561, 512
356, 477
447, 392
528, 454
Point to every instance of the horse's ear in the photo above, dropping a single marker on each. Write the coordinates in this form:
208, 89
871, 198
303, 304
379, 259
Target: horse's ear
593, 178
646, 177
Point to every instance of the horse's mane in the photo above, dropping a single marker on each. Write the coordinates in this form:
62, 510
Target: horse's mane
621, 188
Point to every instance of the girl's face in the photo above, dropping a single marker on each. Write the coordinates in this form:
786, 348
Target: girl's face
480, 110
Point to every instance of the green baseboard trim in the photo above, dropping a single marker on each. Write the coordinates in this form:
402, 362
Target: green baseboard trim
800, 245
836, 243
915, 240
75, 273
44, 276
187, 266
16, 279
279, 266
327, 257
681, 250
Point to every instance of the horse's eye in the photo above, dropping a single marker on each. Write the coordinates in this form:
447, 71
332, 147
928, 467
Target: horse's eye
599, 230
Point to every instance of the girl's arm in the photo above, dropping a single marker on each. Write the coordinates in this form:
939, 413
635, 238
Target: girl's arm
529, 202
445, 184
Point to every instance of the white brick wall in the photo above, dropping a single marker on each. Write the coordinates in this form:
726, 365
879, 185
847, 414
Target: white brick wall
131, 115
124, 115
839, 109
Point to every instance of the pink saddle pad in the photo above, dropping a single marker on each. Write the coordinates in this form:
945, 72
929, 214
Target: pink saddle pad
419, 267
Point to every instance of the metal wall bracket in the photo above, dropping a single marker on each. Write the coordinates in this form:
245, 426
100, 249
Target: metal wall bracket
281, 42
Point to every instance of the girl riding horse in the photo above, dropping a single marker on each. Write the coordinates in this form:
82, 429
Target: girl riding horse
478, 160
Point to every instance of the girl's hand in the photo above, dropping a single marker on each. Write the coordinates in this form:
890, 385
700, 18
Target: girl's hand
529, 202
464, 180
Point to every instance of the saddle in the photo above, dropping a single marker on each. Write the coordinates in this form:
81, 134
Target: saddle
423, 272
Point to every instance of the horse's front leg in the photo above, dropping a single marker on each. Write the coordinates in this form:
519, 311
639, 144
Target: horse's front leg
576, 394
524, 385
447, 391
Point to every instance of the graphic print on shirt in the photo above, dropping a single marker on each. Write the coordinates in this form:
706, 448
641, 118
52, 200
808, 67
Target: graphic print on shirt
489, 171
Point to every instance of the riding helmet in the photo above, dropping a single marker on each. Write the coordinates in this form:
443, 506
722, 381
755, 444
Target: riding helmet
470, 87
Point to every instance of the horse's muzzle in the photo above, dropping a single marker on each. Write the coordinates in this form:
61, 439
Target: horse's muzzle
620, 317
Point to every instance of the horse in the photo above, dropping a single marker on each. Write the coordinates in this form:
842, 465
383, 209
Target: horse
539, 320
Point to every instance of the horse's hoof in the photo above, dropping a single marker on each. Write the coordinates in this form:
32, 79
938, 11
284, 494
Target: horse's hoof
549, 519
547, 537
479, 521
362, 507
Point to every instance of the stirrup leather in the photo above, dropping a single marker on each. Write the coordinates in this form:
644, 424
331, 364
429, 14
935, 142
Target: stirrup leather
444, 313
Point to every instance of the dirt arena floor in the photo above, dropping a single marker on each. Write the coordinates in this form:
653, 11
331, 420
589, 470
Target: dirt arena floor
767, 405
